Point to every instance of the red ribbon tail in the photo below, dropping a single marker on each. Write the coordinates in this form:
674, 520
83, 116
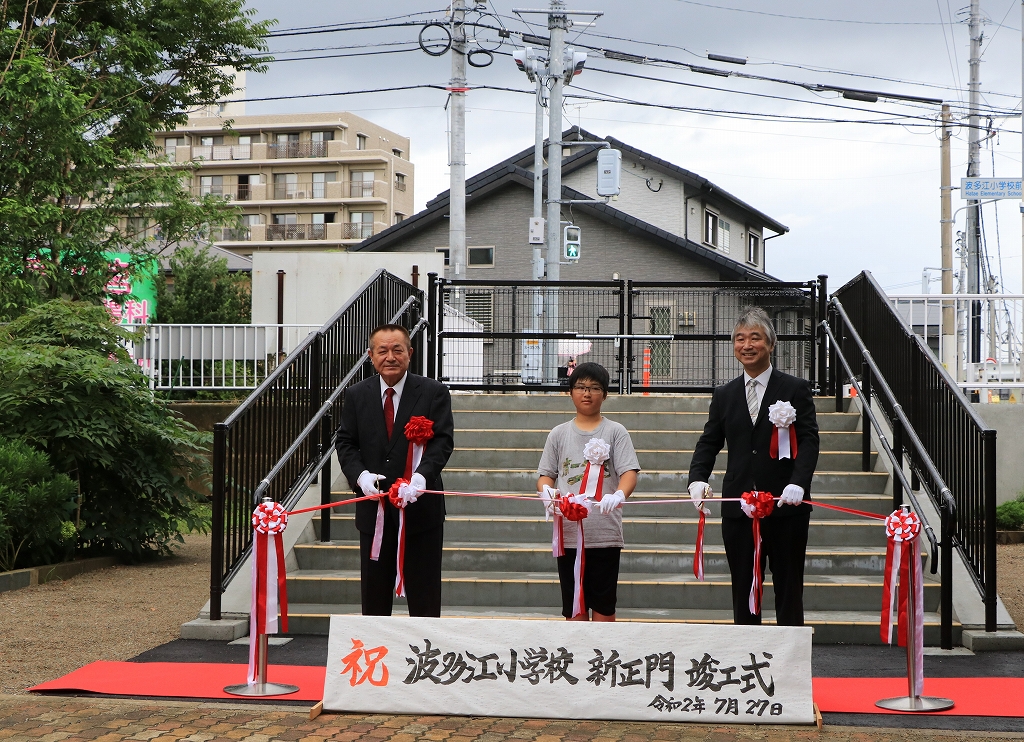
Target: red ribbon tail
408, 461
400, 567
754, 601
599, 490
773, 447
378, 532
901, 633
792, 441
282, 582
698, 554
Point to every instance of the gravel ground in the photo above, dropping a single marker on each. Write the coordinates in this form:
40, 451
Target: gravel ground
1010, 575
110, 614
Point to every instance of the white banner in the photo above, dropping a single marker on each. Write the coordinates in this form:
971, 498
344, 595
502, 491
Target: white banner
570, 670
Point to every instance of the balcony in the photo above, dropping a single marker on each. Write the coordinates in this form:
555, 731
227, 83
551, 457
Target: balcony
231, 234
366, 189
289, 150
240, 192
296, 232
290, 191
356, 230
400, 186
222, 152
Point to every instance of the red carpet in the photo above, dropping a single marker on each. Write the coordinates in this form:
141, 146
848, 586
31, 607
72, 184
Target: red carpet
182, 680
973, 696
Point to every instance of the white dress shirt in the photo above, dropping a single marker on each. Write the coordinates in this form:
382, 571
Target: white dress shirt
762, 384
397, 399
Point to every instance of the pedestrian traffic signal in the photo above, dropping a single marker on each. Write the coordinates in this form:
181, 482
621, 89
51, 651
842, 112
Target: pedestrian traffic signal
571, 242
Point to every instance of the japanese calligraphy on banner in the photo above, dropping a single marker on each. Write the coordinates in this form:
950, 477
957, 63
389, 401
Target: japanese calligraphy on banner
983, 188
570, 670
131, 291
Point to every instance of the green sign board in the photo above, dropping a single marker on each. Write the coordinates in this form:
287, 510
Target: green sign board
131, 290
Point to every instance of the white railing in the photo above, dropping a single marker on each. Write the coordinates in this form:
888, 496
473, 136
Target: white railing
214, 357
959, 327
221, 151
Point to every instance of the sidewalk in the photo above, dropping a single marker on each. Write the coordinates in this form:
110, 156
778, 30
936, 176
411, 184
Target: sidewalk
48, 719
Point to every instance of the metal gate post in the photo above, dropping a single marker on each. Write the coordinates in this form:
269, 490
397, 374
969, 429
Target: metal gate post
628, 341
217, 521
623, 372
988, 438
822, 336
865, 401
431, 360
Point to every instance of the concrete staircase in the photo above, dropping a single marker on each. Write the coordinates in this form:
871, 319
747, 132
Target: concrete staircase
497, 557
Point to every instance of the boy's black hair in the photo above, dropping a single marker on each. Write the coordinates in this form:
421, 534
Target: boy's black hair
590, 372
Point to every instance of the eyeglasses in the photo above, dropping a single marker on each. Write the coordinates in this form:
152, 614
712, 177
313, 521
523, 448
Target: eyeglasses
588, 389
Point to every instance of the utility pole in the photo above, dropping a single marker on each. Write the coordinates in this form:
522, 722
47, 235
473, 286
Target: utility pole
1022, 149
557, 26
538, 193
973, 171
949, 347
457, 152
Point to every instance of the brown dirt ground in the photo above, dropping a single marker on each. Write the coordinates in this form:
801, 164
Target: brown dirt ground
111, 614
1010, 576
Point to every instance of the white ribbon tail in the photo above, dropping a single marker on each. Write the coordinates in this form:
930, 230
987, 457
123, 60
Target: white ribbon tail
918, 617
784, 449
894, 578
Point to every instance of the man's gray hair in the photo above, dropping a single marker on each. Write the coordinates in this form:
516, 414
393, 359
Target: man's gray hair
755, 317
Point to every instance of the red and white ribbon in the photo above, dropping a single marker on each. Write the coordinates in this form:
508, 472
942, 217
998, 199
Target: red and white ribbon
269, 586
417, 431
577, 509
782, 415
903, 553
698, 553
596, 452
759, 505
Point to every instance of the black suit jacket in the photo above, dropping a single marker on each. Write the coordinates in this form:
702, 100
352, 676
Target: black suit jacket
363, 444
750, 464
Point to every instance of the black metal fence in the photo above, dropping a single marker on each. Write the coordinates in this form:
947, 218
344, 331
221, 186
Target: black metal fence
651, 336
955, 437
277, 441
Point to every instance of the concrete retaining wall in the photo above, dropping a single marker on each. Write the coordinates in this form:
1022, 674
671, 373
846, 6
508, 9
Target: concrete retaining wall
1008, 420
20, 578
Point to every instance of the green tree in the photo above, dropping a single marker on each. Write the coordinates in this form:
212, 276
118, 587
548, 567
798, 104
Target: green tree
83, 87
203, 291
72, 390
35, 505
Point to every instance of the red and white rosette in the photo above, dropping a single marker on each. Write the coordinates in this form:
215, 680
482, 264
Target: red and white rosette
269, 586
596, 452
782, 415
576, 509
757, 505
903, 553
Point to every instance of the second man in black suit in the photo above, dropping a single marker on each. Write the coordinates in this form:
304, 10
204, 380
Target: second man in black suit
372, 449
739, 417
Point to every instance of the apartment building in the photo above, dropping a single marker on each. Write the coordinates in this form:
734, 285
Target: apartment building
317, 181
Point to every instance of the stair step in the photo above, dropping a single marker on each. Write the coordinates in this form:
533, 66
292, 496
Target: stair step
615, 403
830, 440
655, 558
635, 590
641, 420
830, 627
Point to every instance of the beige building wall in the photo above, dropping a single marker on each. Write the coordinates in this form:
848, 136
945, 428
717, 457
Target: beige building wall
316, 181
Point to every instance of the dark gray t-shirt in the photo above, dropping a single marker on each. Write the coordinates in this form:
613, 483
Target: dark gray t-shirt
563, 461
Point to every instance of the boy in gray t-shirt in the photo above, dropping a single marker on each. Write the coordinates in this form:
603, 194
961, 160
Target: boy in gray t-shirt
561, 471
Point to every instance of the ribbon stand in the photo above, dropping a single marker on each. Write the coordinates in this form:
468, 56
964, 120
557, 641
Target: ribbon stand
269, 521
913, 702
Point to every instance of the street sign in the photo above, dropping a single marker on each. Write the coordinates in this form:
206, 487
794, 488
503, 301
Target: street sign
979, 189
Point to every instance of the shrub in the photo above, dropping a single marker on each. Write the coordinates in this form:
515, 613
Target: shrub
1010, 515
71, 389
35, 505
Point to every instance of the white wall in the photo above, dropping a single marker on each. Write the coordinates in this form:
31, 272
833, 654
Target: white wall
1008, 420
317, 284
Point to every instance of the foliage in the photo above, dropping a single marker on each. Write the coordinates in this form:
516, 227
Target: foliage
203, 291
83, 88
35, 504
1010, 515
71, 389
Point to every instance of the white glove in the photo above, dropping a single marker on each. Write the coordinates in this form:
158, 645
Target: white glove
698, 491
368, 483
548, 495
609, 502
747, 508
411, 492
792, 495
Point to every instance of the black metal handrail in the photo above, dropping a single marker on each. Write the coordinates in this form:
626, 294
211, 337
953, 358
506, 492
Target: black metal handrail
277, 441
960, 448
870, 378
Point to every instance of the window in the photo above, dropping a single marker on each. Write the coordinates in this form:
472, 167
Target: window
753, 248
210, 141
171, 144
724, 228
481, 308
137, 226
361, 217
244, 139
319, 179
250, 220
322, 136
286, 219
325, 218
447, 254
710, 228
399, 181
211, 185
399, 217
360, 141
361, 184
292, 138
286, 185
480, 257
396, 152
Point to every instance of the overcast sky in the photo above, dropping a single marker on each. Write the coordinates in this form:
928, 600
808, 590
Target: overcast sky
855, 195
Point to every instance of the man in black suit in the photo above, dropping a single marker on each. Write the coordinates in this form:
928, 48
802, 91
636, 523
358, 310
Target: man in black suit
372, 449
739, 417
